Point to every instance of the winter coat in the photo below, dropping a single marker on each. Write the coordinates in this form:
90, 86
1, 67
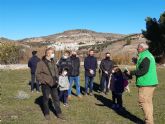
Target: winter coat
65, 64
32, 63
63, 83
106, 65
75, 61
117, 83
90, 62
43, 74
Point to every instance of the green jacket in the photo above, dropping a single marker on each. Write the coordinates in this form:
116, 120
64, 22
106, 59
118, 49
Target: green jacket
150, 78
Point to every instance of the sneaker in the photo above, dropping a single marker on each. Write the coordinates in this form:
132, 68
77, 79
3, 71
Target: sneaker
85, 94
47, 117
66, 105
91, 94
79, 96
102, 93
61, 116
32, 91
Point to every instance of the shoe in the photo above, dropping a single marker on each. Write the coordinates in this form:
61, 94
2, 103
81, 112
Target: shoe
32, 91
60, 116
91, 94
79, 96
85, 94
66, 105
47, 117
102, 93
38, 92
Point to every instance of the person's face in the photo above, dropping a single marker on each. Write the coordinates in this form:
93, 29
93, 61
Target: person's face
107, 55
49, 53
91, 53
74, 53
139, 49
66, 55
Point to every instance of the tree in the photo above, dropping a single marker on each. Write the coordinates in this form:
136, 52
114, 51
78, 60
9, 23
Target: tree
155, 33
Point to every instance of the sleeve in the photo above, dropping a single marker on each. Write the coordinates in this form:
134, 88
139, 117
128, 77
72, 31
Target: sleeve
101, 66
39, 73
29, 64
143, 68
56, 72
96, 63
78, 63
86, 64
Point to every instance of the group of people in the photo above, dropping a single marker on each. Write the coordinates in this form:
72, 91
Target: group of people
57, 77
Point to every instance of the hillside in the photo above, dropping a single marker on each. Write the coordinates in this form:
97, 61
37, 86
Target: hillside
81, 41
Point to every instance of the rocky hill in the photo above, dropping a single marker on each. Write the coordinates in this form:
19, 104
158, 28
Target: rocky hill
82, 41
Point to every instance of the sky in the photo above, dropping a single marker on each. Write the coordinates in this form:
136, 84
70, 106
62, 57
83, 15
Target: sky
33, 18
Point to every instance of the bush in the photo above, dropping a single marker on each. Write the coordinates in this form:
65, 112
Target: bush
123, 59
9, 53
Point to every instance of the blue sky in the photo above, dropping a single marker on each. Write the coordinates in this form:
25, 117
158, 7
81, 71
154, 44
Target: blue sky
33, 18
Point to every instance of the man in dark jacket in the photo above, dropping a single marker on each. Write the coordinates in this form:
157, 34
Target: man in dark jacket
32, 64
47, 74
74, 75
65, 63
90, 65
106, 68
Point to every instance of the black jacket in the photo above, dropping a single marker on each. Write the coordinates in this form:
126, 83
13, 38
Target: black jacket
106, 65
75, 61
65, 64
143, 68
90, 62
32, 63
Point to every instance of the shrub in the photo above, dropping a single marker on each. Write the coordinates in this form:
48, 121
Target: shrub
9, 53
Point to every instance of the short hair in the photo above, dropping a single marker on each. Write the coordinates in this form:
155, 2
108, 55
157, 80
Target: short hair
143, 45
50, 48
34, 52
108, 53
91, 50
68, 52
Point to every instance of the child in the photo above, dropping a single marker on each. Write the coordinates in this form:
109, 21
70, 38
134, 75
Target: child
117, 87
63, 87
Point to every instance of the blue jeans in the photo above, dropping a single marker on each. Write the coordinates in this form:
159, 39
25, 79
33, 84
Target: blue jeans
76, 80
34, 81
89, 83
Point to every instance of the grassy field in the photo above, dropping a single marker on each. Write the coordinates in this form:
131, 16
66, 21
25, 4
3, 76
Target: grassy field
89, 110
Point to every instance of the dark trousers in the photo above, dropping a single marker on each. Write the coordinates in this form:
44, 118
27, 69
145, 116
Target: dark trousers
34, 81
63, 95
47, 90
89, 83
118, 97
104, 83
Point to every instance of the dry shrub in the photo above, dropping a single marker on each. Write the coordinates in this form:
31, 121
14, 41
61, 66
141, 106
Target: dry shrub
122, 59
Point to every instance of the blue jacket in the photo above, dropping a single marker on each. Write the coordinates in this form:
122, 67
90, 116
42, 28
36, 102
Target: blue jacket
32, 63
90, 62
